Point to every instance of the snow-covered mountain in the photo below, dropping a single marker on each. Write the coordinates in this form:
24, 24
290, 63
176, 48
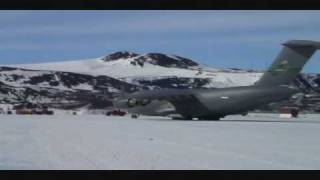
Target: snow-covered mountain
95, 82
134, 68
59, 89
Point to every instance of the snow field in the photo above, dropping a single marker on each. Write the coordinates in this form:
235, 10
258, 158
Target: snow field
256, 141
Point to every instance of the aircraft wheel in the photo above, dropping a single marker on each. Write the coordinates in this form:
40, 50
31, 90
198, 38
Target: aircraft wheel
134, 116
244, 114
177, 118
188, 118
182, 118
213, 118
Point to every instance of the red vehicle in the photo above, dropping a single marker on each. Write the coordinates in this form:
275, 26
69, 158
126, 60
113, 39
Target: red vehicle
293, 111
116, 112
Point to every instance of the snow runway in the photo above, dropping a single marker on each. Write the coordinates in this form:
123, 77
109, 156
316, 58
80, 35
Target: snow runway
257, 141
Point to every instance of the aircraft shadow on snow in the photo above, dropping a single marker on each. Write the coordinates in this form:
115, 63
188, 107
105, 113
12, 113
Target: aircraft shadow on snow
240, 120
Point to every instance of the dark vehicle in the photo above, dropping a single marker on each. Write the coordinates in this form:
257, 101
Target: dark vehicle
37, 111
46, 111
42, 111
116, 112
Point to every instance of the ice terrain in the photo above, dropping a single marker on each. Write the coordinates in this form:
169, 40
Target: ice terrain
256, 141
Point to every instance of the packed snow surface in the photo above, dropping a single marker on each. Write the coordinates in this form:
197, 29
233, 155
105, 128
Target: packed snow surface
256, 141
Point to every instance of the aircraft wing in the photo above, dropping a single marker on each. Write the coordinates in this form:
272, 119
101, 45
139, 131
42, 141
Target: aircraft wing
163, 94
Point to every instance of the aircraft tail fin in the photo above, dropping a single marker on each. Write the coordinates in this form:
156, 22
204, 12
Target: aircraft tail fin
289, 63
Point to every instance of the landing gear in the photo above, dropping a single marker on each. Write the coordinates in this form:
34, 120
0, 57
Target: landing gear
244, 114
206, 118
188, 118
134, 116
213, 118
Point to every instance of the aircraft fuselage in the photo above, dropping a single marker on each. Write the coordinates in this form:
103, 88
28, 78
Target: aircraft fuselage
211, 103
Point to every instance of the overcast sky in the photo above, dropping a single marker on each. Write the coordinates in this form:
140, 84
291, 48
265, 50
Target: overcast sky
242, 39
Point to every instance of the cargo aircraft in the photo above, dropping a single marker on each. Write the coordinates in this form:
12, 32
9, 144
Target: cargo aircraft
275, 85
